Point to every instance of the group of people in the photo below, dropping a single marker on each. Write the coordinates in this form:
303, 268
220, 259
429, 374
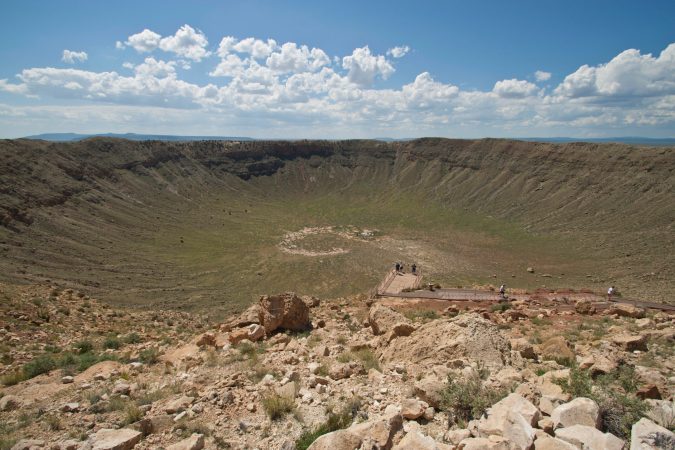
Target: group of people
401, 269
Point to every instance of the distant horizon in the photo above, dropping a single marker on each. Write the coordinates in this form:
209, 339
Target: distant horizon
314, 69
179, 137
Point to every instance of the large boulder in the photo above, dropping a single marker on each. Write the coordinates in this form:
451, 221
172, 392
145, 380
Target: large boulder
286, 311
646, 435
383, 319
468, 337
580, 411
122, 439
589, 438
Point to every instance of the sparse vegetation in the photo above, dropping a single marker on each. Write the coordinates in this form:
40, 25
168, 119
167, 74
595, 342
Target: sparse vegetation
149, 356
365, 356
338, 418
500, 307
467, 399
421, 314
277, 406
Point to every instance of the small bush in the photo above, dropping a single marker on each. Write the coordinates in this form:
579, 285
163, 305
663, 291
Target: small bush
111, 342
84, 346
468, 399
579, 384
336, 420
41, 364
501, 307
132, 338
277, 406
366, 356
12, 378
149, 355
421, 314
54, 423
132, 414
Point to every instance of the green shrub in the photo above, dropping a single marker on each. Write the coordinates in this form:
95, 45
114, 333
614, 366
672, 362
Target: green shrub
132, 414
579, 384
132, 338
365, 355
468, 399
424, 315
501, 307
336, 420
277, 406
149, 355
39, 365
112, 342
12, 378
84, 346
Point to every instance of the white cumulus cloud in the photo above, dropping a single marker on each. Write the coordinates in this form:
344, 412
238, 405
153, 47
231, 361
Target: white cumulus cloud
363, 66
514, 88
629, 74
143, 42
71, 57
540, 75
293, 58
187, 43
398, 52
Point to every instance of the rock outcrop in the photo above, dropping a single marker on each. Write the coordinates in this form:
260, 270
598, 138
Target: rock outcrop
285, 311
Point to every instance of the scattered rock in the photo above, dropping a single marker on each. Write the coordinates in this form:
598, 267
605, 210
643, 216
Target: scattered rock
179, 404
584, 307
551, 443
28, 444
417, 441
206, 340
122, 439
9, 402
412, 408
383, 319
649, 391
556, 348
631, 343
194, 442
462, 337
589, 438
624, 310
580, 411
646, 435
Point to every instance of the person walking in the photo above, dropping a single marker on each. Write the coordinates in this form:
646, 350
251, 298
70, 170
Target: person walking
414, 268
398, 267
610, 293
502, 291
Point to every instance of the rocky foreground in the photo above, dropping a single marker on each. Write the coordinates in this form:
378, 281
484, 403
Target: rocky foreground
351, 373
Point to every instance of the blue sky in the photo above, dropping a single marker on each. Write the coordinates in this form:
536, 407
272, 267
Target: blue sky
339, 69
